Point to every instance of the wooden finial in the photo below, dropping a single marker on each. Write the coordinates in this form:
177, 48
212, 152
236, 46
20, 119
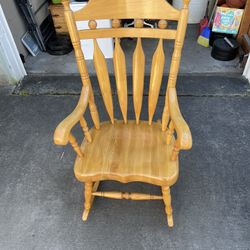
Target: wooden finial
92, 24
186, 4
162, 24
65, 4
116, 23
138, 23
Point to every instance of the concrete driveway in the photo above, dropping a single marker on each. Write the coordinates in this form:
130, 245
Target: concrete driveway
41, 202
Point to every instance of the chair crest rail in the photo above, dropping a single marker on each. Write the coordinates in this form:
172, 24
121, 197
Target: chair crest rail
127, 9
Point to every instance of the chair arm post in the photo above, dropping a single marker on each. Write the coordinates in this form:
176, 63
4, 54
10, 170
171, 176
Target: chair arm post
75, 145
85, 129
170, 132
62, 133
184, 137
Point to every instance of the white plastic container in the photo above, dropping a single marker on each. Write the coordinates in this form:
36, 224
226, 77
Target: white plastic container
197, 9
106, 44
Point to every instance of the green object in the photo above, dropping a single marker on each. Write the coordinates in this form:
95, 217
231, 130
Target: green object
203, 41
56, 1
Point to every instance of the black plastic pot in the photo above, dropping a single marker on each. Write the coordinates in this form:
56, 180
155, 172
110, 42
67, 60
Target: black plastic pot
214, 36
59, 45
222, 51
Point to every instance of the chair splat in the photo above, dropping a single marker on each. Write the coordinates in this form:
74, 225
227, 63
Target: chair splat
120, 74
138, 73
157, 69
102, 75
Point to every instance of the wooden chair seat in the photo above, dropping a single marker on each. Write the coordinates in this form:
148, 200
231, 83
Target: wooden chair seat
126, 153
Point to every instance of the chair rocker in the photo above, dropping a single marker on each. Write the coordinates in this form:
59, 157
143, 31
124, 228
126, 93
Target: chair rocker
127, 150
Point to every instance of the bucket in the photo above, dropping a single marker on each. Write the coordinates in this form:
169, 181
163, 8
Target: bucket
197, 9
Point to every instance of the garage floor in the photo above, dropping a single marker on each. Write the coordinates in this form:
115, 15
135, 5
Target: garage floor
41, 201
195, 58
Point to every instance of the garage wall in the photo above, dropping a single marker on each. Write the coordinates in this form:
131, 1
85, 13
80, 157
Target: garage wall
15, 22
41, 8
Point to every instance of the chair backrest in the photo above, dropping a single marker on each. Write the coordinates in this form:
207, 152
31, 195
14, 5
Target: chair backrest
116, 10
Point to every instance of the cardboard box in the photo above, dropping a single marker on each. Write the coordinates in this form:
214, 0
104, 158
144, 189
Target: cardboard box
227, 20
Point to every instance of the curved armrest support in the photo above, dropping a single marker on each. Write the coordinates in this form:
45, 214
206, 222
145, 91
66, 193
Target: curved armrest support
184, 137
62, 132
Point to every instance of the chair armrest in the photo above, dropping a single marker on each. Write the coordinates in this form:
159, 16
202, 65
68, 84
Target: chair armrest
62, 132
184, 137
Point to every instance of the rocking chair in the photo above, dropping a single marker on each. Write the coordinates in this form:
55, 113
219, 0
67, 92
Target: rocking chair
127, 150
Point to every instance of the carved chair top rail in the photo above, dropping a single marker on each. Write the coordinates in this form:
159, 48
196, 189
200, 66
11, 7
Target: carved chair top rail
127, 9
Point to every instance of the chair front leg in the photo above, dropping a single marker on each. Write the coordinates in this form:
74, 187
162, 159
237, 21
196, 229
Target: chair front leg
87, 203
168, 208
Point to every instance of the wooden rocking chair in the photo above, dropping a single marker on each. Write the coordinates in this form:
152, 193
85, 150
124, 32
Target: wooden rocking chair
127, 150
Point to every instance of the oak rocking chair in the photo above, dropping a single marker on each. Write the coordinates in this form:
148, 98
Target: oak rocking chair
127, 150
